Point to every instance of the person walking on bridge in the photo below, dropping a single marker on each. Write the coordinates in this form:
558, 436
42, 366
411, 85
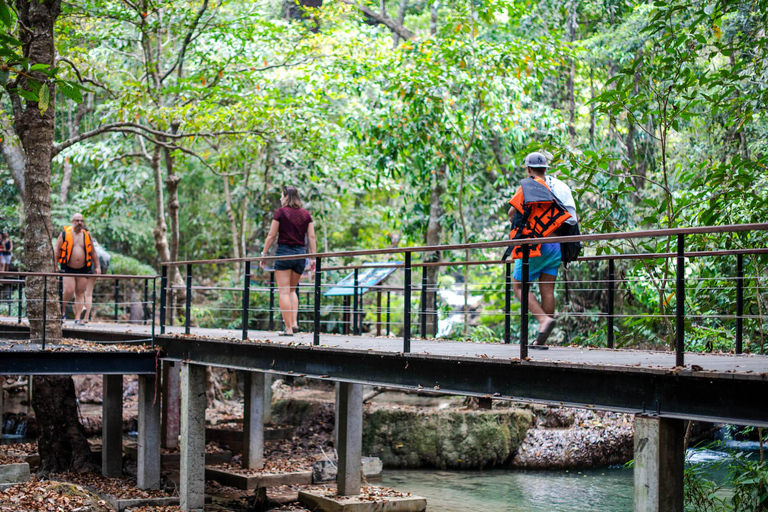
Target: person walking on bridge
76, 255
293, 228
6, 251
540, 205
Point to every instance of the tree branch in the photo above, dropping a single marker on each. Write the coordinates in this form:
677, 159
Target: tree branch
385, 20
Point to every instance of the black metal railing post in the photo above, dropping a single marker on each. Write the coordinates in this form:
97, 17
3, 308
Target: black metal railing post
524, 303
246, 298
117, 297
507, 303
611, 301
680, 306
188, 308
63, 306
45, 306
423, 302
272, 301
739, 303
154, 301
146, 301
436, 324
163, 297
21, 287
355, 306
318, 296
389, 310
407, 305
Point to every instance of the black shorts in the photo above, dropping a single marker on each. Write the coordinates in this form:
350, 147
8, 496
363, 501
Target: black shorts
295, 265
69, 270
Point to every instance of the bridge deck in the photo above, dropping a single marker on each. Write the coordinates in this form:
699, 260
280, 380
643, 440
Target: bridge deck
745, 364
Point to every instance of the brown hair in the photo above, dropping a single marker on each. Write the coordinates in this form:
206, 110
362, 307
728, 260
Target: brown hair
291, 197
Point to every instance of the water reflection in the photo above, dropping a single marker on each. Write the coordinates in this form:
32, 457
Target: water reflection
605, 490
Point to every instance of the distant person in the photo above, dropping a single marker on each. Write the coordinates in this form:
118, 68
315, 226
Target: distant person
6, 251
293, 228
76, 255
532, 219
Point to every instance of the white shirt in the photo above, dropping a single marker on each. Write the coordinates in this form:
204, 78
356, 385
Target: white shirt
563, 193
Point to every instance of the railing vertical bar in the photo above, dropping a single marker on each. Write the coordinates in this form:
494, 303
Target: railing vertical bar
739, 303
435, 326
680, 306
246, 297
407, 305
507, 303
355, 294
423, 302
154, 300
378, 312
524, 303
163, 297
117, 298
318, 297
60, 281
146, 301
389, 305
188, 308
45, 307
21, 287
272, 301
611, 301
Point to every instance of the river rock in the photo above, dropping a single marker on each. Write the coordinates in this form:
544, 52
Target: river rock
413, 438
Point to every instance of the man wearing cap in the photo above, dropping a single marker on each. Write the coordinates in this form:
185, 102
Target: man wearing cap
543, 267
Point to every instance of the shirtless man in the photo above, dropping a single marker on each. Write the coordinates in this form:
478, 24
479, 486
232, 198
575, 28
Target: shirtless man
76, 255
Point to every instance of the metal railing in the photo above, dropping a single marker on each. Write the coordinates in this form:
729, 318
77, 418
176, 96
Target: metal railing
408, 289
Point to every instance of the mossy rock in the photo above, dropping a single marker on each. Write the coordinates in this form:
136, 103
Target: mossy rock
405, 438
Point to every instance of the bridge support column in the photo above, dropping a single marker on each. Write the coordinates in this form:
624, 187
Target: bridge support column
148, 468
2, 381
659, 464
350, 432
171, 400
192, 471
253, 421
112, 426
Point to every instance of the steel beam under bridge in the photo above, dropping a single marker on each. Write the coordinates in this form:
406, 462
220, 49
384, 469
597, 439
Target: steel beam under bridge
685, 394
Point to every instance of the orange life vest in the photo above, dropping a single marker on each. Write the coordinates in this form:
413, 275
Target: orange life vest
540, 214
68, 238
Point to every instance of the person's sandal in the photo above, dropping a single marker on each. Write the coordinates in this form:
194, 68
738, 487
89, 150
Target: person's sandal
283, 333
541, 338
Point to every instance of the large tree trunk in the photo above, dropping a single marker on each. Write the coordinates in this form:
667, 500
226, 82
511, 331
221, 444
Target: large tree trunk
62, 443
13, 153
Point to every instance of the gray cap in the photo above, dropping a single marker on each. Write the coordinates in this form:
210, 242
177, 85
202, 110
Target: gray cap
536, 160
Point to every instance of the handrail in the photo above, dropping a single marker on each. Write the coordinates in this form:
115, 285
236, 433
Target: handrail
63, 274
735, 228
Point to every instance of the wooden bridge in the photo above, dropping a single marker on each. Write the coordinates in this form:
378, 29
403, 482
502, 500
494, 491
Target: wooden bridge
662, 388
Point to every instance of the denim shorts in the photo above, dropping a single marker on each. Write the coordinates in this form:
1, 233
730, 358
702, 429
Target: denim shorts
295, 265
547, 263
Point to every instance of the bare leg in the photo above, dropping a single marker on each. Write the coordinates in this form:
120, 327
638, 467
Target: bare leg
68, 291
295, 278
89, 298
81, 284
534, 307
284, 289
547, 290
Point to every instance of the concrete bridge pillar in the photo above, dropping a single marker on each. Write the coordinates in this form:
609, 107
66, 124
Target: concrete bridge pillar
350, 434
192, 471
148, 469
112, 426
253, 421
171, 402
659, 464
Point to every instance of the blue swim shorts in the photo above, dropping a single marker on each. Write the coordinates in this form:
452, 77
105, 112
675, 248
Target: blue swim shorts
547, 263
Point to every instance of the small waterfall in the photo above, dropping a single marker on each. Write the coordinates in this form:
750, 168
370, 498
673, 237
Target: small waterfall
21, 429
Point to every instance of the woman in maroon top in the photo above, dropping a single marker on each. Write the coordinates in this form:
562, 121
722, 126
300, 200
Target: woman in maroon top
293, 228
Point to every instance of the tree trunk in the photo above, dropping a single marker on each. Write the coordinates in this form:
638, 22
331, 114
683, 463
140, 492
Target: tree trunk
571, 28
62, 442
172, 186
13, 153
434, 231
232, 221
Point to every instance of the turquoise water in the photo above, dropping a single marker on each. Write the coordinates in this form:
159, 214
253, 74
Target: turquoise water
603, 490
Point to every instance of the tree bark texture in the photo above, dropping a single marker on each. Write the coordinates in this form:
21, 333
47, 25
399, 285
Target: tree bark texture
434, 232
62, 443
13, 153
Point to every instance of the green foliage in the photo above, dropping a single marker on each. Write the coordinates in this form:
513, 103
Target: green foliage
126, 265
